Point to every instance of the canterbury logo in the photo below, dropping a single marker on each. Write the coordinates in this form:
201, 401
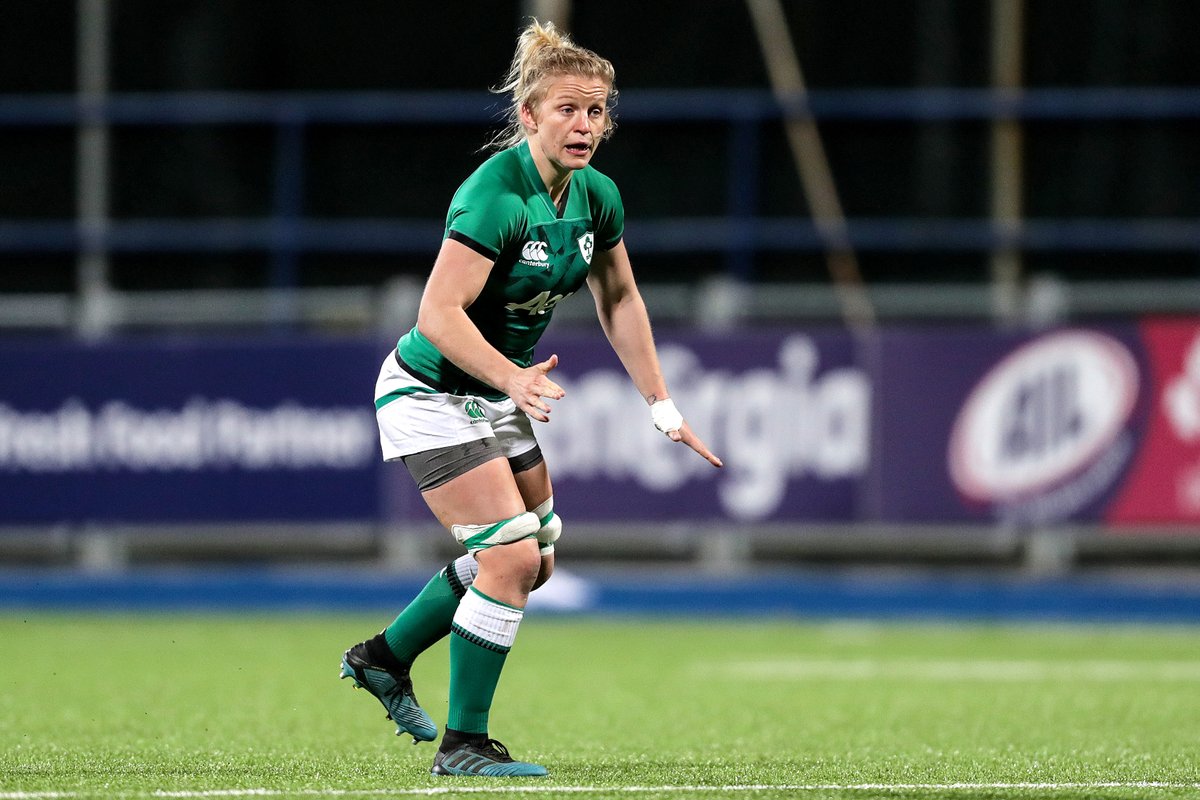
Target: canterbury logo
534, 251
474, 411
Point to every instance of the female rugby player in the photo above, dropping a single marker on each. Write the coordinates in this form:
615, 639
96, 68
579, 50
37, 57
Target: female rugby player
454, 401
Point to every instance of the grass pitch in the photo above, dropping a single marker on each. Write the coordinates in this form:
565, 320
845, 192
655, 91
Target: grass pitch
111, 706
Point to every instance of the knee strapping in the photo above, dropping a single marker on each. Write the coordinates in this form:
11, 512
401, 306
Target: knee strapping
549, 526
481, 537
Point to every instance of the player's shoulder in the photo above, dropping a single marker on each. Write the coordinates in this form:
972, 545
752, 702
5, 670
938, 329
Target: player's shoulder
497, 182
599, 184
501, 172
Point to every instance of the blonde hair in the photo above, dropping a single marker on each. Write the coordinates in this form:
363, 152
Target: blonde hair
544, 52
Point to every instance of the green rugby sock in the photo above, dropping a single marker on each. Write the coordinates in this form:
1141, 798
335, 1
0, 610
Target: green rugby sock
484, 630
425, 620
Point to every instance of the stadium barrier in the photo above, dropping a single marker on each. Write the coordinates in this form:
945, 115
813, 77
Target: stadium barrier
740, 233
912, 438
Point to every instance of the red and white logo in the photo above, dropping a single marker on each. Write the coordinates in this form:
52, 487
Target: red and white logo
1181, 399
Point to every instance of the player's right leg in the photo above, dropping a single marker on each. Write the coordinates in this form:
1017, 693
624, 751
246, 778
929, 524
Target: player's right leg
373, 667
382, 664
437, 438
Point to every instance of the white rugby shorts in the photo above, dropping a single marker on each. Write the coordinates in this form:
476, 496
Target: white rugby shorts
421, 418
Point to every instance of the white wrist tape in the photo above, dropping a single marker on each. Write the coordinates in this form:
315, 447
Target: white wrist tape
666, 416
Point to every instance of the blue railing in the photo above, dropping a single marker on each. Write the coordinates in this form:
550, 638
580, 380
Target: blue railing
645, 105
739, 233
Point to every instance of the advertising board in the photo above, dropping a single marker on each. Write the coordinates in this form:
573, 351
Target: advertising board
186, 431
1088, 424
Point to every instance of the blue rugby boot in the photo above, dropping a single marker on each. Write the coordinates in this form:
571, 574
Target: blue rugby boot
373, 667
488, 759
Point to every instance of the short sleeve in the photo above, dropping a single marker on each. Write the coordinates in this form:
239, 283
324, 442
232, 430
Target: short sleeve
486, 221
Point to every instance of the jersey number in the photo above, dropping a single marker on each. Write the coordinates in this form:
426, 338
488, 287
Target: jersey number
540, 304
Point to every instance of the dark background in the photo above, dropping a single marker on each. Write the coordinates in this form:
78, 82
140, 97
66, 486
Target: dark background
1074, 169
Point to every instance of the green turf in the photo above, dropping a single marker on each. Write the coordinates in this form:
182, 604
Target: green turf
130, 706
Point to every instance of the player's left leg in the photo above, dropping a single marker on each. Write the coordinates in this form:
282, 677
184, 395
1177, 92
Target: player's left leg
486, 513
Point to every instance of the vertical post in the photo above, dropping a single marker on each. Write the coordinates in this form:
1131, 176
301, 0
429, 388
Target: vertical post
288, 210
742, 203
556, 11
938, 144
95, 309
1007, 162
724, 298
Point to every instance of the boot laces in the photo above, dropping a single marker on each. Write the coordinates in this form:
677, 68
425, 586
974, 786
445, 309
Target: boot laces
497, 747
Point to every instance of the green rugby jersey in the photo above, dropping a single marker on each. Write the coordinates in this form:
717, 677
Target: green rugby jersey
504, 212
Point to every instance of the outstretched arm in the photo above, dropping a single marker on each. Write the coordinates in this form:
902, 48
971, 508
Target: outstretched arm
626, 322
458, 277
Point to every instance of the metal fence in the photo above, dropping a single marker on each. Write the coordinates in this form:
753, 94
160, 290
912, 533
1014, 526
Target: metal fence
739, 235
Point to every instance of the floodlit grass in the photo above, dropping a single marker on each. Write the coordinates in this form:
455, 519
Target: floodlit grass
134, 706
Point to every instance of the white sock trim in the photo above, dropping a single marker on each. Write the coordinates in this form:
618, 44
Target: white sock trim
493, 622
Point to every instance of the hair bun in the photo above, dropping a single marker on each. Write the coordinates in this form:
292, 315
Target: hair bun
543, 51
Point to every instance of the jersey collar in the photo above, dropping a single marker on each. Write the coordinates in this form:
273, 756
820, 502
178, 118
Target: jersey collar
535, 179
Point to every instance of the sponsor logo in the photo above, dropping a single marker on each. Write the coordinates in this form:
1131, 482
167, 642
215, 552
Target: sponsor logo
540, 303
203, 434
534, 254
587, 246
1045, 428
1181, 399
1181, 406
474, 411
794, 419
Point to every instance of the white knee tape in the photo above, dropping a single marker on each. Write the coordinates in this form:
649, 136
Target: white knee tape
550, 526
481, 537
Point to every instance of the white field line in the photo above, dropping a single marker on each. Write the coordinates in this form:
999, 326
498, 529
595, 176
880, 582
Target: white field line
954, 670
966, 788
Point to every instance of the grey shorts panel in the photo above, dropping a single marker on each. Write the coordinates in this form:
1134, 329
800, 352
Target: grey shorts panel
527, 460
432, 468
